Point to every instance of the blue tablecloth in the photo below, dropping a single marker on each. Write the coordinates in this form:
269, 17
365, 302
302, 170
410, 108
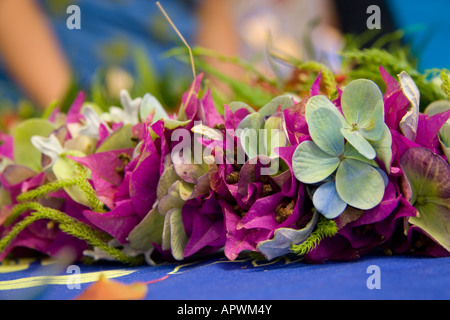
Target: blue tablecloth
216, 278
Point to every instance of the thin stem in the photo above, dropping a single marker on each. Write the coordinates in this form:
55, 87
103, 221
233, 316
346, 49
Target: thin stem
179, 35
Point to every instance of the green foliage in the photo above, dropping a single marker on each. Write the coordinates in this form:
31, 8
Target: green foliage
24, 152
325, 228
445, 83
365, 63
68, 225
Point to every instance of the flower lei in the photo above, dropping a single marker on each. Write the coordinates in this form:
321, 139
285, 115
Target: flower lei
327, 176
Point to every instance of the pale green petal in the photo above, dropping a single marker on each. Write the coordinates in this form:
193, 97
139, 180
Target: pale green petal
174, 237
324, 128
351, 153
322, 102
371, 125
178, 237
311, 165
359, 98
359, 142
359, 184
383, 148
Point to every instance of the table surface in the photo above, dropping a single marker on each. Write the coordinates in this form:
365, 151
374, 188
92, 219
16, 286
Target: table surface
216, 278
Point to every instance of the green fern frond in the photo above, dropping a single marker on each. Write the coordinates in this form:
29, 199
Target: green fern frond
445, 83
46, 189
328, 79
69, 226
325, 228
365, 64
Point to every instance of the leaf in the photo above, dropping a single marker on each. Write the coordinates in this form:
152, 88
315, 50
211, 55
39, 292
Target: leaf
249, 139
66, 169
429, 177
248, 133
208, 132
437, 107
283, 238
175, 124
284, 101
252, 121
172, 199
178, 237
275, 134
327, 201
311, 165
444, 140
410, 121
105, 289
236, 105
147, 231
174, 237
119, 139
167, 179
25, 153
190, 172
324, 128
359, 184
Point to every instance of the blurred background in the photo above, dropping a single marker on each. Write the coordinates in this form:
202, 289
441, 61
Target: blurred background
129, 44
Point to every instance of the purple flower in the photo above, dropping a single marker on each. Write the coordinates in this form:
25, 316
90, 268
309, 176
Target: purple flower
204, 225
126, 185
255, 205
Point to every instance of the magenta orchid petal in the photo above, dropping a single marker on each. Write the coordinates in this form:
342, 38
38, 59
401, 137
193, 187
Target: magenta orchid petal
315, 88
212, 116
190, 101
204, 225
74, 114
296, 125
105, 164
144, 178
395, 103
428, 129
6, 146
118, 222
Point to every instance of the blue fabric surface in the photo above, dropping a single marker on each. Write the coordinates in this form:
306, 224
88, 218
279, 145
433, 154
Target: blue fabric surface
215, 278
426, 24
